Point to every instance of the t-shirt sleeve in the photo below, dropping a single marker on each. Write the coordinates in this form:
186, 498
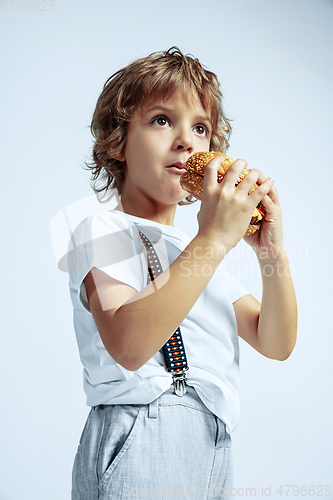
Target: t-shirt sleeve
236, 289
101, 241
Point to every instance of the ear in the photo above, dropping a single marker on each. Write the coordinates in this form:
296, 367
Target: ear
120, 157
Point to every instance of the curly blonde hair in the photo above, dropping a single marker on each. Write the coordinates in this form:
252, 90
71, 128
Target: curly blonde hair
128, 90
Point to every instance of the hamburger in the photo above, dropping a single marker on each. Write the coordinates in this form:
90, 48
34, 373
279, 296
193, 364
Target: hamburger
192, 181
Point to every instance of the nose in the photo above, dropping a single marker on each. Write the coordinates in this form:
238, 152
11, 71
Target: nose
184, 140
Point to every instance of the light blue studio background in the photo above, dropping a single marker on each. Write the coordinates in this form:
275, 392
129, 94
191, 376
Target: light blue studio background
273, 59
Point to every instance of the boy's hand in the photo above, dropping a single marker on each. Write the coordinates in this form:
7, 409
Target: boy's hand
226, 210
268, 241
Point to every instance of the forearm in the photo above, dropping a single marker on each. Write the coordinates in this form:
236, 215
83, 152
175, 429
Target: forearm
277, 324
144, 323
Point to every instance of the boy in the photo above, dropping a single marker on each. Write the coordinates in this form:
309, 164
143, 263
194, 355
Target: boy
142, 433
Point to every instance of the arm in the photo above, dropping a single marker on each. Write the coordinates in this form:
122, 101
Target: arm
271, 327
135, 325
156, 311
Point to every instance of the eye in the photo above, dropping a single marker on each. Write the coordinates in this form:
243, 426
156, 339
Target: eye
201, 130
160, 121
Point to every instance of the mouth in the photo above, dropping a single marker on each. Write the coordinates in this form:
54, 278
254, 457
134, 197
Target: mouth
178, 167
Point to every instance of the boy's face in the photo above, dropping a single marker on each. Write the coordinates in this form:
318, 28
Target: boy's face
165, 133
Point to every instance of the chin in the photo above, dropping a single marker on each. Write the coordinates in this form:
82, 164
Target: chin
174, 196
182, 195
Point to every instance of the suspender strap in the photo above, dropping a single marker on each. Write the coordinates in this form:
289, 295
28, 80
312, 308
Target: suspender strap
174, 350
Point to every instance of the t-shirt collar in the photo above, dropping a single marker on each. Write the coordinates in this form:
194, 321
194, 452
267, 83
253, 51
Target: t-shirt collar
171, 231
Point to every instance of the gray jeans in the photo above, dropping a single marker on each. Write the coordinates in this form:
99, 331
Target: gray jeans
171, 447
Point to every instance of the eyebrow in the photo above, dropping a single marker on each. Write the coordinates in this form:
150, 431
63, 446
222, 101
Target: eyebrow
166, 109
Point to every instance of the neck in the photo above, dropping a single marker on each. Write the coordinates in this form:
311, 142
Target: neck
164, 214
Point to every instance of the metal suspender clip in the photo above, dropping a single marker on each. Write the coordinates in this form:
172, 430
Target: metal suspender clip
179, 381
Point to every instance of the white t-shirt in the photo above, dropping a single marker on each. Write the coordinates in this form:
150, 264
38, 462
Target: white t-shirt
110, 241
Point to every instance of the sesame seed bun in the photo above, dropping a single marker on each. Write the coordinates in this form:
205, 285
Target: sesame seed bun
192, 181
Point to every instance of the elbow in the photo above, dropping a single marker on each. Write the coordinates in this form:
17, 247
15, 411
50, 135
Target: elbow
284, 355
117, 348
285, 346
119, 339
132, 364
280, 356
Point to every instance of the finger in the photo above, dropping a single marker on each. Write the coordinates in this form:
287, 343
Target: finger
273, 213
232, 175
262, 190
262, 177
273, 194
210, 174
249, 181
268, 204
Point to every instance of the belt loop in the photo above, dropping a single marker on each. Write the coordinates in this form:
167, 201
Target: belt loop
222, 438
218, 436
152, 409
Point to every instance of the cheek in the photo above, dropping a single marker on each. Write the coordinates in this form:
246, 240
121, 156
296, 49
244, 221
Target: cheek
208, 142
133, 154
138, 145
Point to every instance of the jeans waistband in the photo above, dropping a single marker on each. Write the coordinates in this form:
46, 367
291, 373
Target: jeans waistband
169, 398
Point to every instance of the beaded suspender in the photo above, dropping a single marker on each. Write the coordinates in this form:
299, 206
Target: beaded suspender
174, 350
